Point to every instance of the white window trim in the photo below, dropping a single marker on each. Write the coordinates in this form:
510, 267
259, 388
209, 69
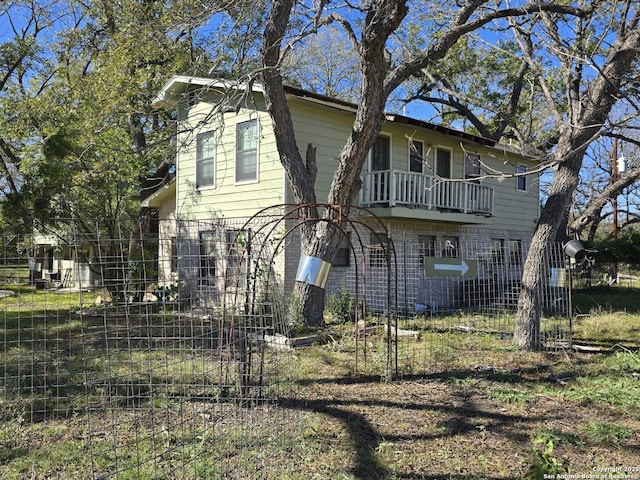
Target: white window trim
435, 159
235, 152
215, 156
526, 184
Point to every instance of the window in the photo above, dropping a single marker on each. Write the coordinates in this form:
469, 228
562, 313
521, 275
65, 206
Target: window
205, 159
174, 255
521, 177
378, 246
416, 151
497, 250
471, 165
207, 258
515, 252
450, 247
443, 163
247, 151
343, 255
235, 252
427, 247
381, 154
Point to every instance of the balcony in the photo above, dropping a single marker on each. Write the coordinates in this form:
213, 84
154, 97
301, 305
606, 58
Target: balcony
394, 188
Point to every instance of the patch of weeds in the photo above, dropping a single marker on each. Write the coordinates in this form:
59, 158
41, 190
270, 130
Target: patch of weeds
384, 446
544, 463
622, 362
484, 433
513, 396
341, 306
608, 327
607, 433
617, 392
10, 435
293, 315
556, 329
465, 381
558, 437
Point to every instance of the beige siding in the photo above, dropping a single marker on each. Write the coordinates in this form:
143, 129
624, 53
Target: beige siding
514, 210
327, 129
226, 197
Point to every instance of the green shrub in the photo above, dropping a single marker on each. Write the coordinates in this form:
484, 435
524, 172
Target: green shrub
544, 463
341, 306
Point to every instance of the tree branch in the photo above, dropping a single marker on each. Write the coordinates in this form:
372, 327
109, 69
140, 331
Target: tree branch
611, 191
462, 26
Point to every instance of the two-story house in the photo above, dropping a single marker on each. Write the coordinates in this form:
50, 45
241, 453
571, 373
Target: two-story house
438, 191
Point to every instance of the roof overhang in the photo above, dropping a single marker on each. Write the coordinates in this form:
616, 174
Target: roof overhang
179, 84
161, 195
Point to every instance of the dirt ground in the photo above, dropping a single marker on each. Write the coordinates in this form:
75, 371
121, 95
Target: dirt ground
482, 423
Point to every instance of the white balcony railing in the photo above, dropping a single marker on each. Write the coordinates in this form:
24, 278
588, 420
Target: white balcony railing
390, 188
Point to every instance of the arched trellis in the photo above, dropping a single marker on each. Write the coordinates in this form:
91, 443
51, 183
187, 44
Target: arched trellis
262, 239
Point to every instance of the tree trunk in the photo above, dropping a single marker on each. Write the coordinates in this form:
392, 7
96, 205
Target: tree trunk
536, 274
312, 300
321, 240
527, 331
589, 105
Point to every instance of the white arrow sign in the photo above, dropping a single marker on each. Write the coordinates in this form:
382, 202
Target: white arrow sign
450, 267
462, 268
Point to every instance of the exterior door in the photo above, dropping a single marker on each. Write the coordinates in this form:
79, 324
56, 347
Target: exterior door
380, 165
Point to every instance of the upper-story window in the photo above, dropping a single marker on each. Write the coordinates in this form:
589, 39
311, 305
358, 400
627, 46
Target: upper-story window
416, 152
381, 154
191, 98
443, 163
471, 165
521, 178
247, 151
205, 159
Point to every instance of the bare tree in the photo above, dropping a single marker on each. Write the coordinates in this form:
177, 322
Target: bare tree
566, 68
372, 28
590, 98
325, 63
612, 172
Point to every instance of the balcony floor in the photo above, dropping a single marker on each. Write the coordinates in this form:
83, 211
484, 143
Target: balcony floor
431, 215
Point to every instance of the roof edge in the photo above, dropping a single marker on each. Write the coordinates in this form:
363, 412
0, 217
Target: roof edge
178, 84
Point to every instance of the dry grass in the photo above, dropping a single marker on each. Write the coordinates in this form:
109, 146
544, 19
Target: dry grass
467, 406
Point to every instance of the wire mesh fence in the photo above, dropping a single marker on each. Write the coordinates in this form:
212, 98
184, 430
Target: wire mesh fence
163, 352
152, 378
442, 297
